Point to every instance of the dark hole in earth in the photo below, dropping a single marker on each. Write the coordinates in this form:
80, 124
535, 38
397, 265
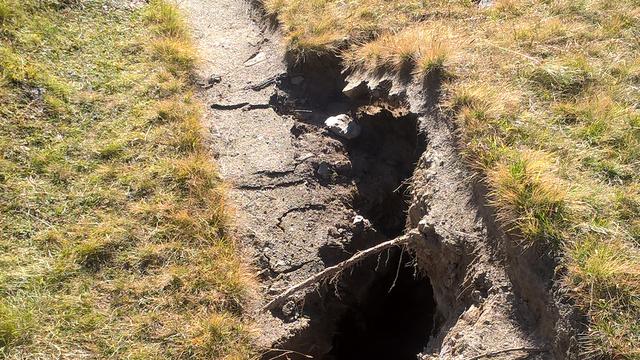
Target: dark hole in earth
382, 161
387, 323
379, 309
365, 316
384, 157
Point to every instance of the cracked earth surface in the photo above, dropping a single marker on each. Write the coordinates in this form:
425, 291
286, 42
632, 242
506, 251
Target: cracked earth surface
286, 212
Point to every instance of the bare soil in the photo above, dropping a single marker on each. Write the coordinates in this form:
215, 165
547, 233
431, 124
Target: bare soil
307, 199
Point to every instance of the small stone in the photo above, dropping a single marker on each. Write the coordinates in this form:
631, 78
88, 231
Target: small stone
290, 310
425, 227
476, 296
324, 170
360, 223
214, 79
297, 80
344, 126
37, 93
361, 220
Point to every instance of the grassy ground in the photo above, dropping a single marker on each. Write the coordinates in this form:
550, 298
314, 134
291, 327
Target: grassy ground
113, 234
546, 96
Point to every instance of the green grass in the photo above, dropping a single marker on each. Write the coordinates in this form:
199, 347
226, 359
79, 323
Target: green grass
545, 94
114, 239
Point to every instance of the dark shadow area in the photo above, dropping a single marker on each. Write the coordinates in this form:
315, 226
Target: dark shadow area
383, 159
392, 321
379, 310
381, 162
322, 79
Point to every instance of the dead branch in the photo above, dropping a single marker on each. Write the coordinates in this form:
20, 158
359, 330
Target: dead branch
334, 270
494, 353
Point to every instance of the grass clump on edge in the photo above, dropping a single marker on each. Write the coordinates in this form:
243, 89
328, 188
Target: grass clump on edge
545, 96
524, 188
114, 235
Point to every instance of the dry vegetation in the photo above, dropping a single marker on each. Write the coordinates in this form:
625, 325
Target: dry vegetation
113, 233
546, 95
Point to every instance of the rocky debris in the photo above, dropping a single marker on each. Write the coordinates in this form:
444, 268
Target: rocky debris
425, 227
290, 311
210, 81
214, 79
360, 224
360, 220
355, 88
304, 157
37, 93
344, 126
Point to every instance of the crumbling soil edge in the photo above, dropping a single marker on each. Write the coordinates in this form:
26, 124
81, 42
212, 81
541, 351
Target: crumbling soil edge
489, 276
547, 314
486, 298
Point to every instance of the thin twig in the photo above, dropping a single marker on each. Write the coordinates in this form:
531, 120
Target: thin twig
397, 274
494, 353
334, 270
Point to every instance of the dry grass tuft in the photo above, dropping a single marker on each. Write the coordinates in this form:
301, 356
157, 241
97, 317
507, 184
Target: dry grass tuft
422, 51
529, 200
604, 273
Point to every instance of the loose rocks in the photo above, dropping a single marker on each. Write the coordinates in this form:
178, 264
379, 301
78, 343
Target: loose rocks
344, 126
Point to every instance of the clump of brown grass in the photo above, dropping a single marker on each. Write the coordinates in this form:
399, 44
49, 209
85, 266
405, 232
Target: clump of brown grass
422, 51
529, 200
604, 274
115, 222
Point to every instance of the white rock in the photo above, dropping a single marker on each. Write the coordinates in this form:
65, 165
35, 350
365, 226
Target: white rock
361, 220
344, 126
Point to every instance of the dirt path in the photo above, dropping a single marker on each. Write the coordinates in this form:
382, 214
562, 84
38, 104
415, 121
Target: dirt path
307, 199
284, 215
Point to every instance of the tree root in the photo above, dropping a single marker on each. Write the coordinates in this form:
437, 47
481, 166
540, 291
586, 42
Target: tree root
334, 270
